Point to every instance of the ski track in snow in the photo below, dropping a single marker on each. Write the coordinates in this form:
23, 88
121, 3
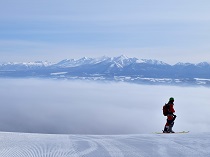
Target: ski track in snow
142, 145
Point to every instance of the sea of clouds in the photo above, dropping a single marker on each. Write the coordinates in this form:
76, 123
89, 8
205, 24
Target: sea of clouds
83, 107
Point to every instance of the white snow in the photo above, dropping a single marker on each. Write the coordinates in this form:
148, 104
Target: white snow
36, 63
184, 64
139, 145
153, 61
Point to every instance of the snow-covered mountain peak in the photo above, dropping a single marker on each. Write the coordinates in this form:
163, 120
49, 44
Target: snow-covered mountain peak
203, 64
153, 61
85, 59
119, 61
102, 59
36, 63
66, 63
122, 57
183, 64
123, 60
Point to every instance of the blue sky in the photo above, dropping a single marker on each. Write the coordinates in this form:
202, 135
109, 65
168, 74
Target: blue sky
171, 31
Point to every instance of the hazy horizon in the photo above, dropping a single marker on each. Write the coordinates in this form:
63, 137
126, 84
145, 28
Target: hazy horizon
54, 62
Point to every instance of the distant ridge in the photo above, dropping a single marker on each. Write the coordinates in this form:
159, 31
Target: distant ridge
120, 68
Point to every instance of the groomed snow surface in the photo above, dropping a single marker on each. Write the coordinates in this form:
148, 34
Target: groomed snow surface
141, 145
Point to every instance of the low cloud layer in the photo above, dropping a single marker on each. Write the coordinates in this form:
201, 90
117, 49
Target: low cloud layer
47, 106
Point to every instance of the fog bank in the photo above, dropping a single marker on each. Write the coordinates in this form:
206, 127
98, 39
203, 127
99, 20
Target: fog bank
76, 107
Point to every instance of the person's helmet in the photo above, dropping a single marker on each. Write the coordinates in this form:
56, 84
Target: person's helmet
171, 99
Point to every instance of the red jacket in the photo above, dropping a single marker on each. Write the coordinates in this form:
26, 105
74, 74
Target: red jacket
171, 111
171, 108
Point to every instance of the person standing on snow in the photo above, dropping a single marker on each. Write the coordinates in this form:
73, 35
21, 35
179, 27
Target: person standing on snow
170, 116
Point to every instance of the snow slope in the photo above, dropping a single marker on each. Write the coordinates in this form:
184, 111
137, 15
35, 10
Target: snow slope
141, 145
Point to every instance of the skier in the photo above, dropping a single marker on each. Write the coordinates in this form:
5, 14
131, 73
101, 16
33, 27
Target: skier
170, 116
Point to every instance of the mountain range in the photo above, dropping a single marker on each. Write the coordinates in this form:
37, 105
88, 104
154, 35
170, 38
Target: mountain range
121, 68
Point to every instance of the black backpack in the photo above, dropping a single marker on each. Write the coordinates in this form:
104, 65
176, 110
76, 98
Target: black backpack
166, 109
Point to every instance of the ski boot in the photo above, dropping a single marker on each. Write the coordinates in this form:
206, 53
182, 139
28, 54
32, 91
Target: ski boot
166, 129
170, 129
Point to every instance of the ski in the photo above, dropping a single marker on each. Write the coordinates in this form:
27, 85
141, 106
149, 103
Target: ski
179, 132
